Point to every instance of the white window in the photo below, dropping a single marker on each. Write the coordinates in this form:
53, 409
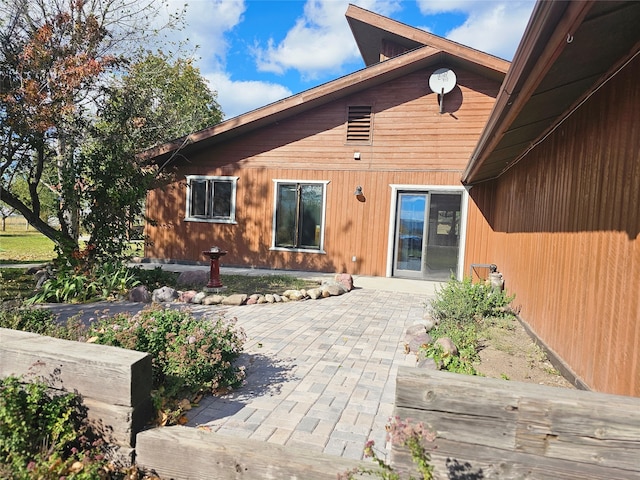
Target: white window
211, 199
299, 213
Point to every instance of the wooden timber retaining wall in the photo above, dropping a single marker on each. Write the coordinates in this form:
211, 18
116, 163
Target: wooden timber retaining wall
184, 453
115, 384
489, 428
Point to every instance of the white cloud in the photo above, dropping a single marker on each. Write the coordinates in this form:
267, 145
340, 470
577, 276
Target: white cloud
432, 7
320, 42
495, 27
206, 23
238, 97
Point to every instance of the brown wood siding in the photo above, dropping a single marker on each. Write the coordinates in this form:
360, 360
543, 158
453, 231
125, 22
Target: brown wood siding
563, 228
412, 143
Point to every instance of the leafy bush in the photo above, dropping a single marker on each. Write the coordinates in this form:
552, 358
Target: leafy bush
188, 353
45, 436
464, 301
42, 322
110, 279
462, 310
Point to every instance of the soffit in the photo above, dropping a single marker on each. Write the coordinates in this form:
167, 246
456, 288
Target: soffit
536, 95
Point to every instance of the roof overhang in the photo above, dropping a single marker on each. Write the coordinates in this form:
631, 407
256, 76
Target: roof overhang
568, 49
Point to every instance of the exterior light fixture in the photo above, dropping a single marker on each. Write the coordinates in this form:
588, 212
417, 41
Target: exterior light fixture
356, 155
358, 191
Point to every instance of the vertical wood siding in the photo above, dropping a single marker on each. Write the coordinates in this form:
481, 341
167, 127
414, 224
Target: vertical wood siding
563, 227
412, 143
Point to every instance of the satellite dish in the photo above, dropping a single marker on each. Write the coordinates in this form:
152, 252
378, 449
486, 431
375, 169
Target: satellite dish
442, 81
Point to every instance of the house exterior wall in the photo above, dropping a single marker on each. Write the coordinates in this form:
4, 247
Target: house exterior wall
563, 227
412, 143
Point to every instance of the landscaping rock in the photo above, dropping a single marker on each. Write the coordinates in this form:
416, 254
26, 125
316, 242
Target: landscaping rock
414, 330
293, 295
344, 279
164, 294
416, 337
195, 277
139, 294
235, 299
428, 318
261, 300
269, 298
447, 345
277, 298
187, 297
418, 341
213, 300
333, 288
200, 296
427, 363
315, 293
253, 299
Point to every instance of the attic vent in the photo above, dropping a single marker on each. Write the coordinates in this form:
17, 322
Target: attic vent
359, 124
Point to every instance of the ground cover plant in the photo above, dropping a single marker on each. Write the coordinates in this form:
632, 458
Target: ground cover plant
463, 312
47, 436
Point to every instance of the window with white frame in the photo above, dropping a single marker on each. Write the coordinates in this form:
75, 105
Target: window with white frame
211, 199
299, 215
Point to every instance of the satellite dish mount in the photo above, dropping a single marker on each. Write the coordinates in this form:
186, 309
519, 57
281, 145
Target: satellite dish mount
442, 81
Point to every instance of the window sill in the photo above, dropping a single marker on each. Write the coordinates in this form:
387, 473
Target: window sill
297, 250
211, 220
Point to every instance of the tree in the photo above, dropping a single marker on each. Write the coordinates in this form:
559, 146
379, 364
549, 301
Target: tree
170, 98
70, 117
157, 100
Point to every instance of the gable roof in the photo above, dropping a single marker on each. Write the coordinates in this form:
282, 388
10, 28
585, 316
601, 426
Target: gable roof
569, 49
425, 50
371, 30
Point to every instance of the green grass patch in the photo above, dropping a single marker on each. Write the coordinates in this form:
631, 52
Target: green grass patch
16, 283
264, 283
25, 246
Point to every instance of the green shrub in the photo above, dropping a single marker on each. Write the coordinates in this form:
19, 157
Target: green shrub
464, 301
462, 310
107, 280
42, 322
188, 353
45, 436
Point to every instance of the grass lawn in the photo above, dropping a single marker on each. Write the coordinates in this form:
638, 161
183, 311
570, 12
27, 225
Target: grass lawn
15, 283
18, 245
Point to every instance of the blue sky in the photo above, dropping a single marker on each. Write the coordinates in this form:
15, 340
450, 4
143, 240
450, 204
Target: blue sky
255, 52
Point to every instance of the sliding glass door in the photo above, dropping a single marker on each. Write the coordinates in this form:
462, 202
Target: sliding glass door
427, 236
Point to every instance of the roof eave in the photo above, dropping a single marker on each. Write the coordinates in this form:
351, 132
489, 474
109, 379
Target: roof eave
542, 42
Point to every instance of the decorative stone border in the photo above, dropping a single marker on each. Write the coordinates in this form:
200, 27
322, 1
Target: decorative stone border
341, 284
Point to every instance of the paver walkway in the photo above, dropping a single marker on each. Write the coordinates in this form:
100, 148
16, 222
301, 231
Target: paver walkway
320, 374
